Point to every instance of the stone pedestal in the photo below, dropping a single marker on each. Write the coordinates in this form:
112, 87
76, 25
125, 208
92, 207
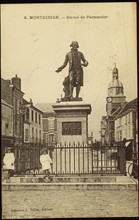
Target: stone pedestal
72, 121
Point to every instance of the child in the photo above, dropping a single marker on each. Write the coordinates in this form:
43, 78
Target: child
8, 162
46, 162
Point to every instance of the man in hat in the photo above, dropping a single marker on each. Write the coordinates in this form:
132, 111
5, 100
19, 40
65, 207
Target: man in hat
74, 57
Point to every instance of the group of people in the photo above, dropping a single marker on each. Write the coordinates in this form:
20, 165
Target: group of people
9, 162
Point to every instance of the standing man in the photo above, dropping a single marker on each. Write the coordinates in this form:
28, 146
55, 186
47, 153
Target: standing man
74, 57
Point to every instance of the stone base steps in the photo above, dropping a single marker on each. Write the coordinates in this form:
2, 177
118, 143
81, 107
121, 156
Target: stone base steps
71, 186
69, 182
62, 179
68, 179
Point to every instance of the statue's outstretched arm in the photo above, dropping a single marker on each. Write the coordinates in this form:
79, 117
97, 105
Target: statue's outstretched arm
64, 65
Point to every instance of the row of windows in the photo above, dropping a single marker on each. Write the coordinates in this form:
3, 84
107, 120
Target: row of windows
35, 117
36, 134
50, 138
126, 133
51, 123
33, 132
119, 136
124, 120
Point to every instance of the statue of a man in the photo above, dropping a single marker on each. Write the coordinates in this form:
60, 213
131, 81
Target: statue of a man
74, 57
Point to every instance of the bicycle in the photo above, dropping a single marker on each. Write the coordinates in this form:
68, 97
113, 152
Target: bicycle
133, 170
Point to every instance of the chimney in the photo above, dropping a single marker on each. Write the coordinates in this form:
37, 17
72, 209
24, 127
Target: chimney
31, 103
16, 81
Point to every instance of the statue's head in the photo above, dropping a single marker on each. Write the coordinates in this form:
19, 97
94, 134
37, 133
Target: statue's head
74, 45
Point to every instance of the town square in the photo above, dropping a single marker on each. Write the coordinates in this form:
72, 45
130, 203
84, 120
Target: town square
69, 111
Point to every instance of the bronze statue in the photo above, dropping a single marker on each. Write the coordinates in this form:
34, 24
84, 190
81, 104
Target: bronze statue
74, 57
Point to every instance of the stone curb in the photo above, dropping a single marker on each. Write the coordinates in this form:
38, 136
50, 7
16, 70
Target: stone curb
67, 186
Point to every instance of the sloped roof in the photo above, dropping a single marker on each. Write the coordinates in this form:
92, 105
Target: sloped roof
45, 107
25, 101
116, 111
132, 105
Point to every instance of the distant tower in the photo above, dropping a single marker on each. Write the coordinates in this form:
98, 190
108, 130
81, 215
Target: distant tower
116, 96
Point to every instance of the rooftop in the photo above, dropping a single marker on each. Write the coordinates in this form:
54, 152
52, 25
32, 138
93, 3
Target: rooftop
132, 105
45, 107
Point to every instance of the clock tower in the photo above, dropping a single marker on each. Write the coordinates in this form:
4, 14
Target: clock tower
114, 101
116, 96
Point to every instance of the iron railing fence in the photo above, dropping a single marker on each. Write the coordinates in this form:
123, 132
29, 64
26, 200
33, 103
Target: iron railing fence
71, 159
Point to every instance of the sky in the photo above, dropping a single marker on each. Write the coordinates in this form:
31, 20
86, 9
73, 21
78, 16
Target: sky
34, 48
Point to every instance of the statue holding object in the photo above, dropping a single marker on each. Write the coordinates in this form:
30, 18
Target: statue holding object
75, 76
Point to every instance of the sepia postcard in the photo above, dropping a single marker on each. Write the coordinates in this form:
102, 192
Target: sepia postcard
69, 140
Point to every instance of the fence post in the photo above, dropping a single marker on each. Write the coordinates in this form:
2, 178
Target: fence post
122, 158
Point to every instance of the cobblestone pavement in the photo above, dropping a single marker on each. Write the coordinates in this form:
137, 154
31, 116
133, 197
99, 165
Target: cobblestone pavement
69, 203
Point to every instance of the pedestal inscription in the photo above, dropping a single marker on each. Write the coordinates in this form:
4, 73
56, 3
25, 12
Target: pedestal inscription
72, 121
71, 128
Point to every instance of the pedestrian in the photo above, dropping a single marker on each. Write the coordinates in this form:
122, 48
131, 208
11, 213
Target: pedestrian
46, 162
8, 162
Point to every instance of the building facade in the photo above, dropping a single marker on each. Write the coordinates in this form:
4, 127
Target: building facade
26, 125
126, 125
33, 124
49, 128
6, 123
12, 94
49, 123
